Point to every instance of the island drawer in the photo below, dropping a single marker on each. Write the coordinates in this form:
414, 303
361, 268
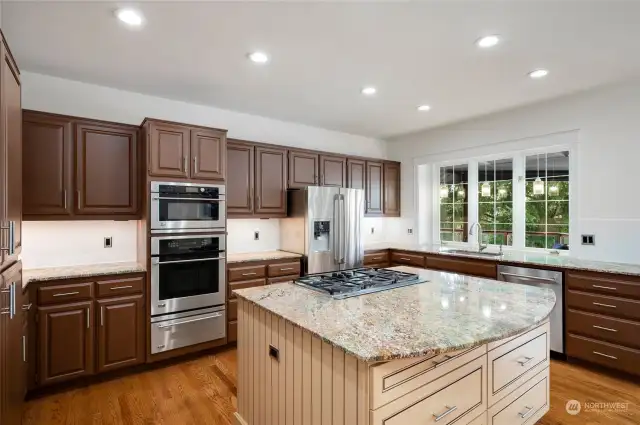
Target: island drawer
65, 293
406, 259
604, 353
525, 405
463, 266
281, 279
616, 285
244, 284
374, 258
117, 287
246, 272
610, 306
617, 331
457, 397
392, 380
284, 269
515, 362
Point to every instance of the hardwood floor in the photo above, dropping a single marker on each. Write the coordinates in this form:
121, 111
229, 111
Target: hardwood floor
203, 392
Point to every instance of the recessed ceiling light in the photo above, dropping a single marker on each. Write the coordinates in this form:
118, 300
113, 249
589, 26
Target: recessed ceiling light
130, 17
424, 107
488, 41
259, 57
538, 73
369, 91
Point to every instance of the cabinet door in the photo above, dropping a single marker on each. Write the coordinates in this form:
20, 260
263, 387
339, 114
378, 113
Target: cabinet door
5, 303
15, 356
303, 169
374, 188
391, 202
207, 154
355, 174
271, 181
65, 342
333, 171
240, 178
46, 165
106, 177
121, 332
168, 150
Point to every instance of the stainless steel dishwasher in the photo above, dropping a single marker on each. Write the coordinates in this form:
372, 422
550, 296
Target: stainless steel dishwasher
545, 279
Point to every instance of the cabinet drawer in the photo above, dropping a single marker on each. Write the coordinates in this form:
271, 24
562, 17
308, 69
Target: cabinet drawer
463, 266
407, 259
445, 400
168, 335
604, 284
284, 269
245, 273
617, 331
281, 279
377, 266
232, 332
525, 405
112, 288
65, 293
232, 313
604, 353
515, 362
376, 258
245, 284
610, 306
392, 380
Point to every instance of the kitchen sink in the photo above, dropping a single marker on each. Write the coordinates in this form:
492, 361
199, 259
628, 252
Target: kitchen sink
472, 253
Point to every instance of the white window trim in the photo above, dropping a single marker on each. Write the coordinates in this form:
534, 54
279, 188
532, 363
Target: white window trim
519, 186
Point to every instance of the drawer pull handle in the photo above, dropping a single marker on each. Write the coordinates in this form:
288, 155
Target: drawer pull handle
605, 355
286, 268
605, 305
405, 259
115, 288
529, 410
605, 287
160, 347
213, 316
249, 274
439, 417
445, 359
65, 294
605, 329
526, 361
27, 307
377, 258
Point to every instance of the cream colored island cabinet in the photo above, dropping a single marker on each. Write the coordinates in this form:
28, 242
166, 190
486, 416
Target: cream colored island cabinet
453, 350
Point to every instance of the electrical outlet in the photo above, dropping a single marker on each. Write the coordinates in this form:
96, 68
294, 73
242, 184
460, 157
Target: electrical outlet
588, 239
256, 235
410, 231
108, 242
373, 229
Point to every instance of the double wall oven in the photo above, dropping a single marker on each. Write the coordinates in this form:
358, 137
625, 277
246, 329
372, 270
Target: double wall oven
188, 264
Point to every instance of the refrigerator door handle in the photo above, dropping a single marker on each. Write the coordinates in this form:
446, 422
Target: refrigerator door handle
343, 229
336, 230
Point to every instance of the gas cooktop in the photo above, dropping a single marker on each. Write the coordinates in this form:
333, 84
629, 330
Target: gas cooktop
354, 282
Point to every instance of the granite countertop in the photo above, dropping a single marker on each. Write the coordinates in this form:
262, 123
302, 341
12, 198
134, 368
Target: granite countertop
260, 256
449, 312
69, 272
522, 257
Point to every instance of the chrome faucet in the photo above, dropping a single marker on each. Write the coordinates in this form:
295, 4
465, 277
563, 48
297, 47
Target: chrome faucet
480, 246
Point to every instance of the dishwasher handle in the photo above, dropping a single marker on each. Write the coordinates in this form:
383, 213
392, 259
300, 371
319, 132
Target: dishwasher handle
525, 277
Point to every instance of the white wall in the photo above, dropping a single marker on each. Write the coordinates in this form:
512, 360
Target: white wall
67, 243
607, 121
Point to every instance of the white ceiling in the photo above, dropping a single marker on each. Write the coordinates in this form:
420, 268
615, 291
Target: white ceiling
323, 53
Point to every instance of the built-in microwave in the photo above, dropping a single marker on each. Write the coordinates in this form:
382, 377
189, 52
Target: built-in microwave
179, 206
187, 273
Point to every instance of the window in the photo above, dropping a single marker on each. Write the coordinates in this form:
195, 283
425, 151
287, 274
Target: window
454, 203
547, 201
495, 201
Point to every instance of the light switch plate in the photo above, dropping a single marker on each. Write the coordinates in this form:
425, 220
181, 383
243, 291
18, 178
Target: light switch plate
410, 231
256, 235
588, 239
108, 242
373, 229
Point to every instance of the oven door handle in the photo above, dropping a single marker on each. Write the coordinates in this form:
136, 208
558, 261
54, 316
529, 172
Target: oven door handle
191, 261
213, 316
157, 198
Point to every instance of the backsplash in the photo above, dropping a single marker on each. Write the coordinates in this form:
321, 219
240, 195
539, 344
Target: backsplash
70, 243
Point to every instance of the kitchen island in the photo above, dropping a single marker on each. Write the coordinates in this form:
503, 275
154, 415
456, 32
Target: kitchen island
454, 349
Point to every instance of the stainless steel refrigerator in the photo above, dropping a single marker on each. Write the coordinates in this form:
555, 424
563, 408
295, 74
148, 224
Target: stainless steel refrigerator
325, 225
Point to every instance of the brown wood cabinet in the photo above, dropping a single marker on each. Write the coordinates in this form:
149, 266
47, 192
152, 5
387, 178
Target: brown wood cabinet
469, 266
65, 342
240, 178
391, 191
270, 182
182, 151
303, 169
333, 171
121, 336
374, 188
356, 174
105, 182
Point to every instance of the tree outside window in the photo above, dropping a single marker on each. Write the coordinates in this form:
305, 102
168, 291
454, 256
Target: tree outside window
454, 206
495, 201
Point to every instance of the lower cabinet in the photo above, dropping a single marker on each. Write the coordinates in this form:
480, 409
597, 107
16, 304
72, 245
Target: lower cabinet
121, 338
65, 334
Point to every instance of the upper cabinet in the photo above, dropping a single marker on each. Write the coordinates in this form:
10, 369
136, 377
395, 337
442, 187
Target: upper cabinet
240, 183
373, 191
75, 168
303, 169
271, 182
356, 174
180, 151
391, 190
333, 171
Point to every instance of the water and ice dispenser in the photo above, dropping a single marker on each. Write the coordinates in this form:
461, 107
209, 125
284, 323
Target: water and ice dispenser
321, 234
